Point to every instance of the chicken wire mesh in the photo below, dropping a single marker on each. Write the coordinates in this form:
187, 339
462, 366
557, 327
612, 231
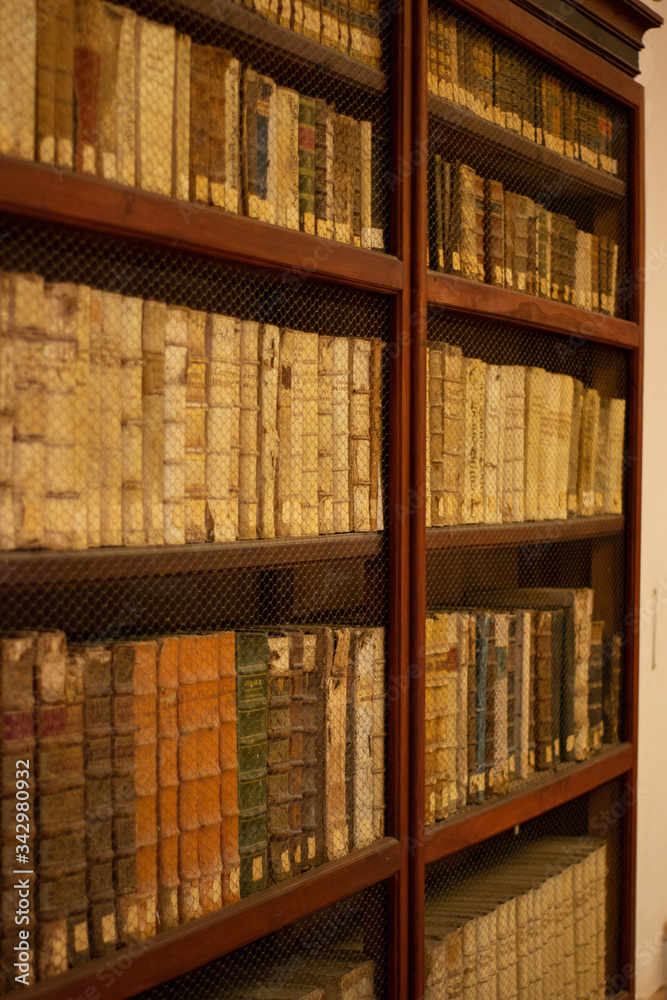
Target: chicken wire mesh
338, 952
534, 911
193, 678
277, 110
525, 557
528, 172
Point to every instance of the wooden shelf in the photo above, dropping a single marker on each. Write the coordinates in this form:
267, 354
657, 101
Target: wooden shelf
537, 795
173, 953
41, 192
508, 306
477, 536
527, 157
40, 568
289, 43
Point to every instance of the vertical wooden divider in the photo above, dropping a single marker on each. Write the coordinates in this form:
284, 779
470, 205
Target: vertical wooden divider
419, 163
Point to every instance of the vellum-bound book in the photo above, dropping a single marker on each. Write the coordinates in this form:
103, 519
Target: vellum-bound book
360, 730
17, 79
155, 74
175, 394
325, 436
145, 784
335, 688
196, 420
131, 423
341, 424
153, 386
248, 426
493, 448
360, 430
512, 442
180, 168
288, 454
223, 352
287, 156
305, 407
111, 458
474, 379
268, 445
7, 397
167, 782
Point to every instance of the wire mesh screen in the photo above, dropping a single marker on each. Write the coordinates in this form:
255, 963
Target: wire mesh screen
339, 952
533, 912
528, 171
275, 110
193, 684
525, 557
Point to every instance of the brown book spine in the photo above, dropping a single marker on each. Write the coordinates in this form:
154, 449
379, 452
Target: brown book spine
62, 905
229, 804
201, 59
123, 792
296, 757
611, 687
64, 104
145, 764
479, 227
471, 707
542, 686
167, 783
490, 723
45, 109
278, 796
314, 658
87, 66
495, 237
595, 687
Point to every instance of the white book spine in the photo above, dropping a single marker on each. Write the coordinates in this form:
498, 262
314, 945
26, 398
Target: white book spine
223, 423
269, 367
180, 172
156, 64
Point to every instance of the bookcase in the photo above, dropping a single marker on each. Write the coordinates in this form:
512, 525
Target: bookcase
365, 217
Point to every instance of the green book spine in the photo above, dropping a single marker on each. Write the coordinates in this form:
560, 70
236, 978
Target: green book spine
307, 119
252, 725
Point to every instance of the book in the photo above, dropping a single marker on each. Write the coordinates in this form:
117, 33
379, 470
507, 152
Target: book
268, 444
344, 147
167, 676
595, 686
125, 98
325, 437
126, 872
153, 401
511, 488
575, 444
535, 417
201, 60
453, 434
248, 430
434, 698
180, 167
278, 790
195, 444
306, 399
590, 415
495, 236
296, 752
259, 145
175, 395
602, 458
284, 506
287, 154
111, 441
474, 382
477, 780
378, 733
145, 785
335, 696
324, 165
131, 420
493, 452
340, 401
312, 655
251, 667
86, 77
360, 434
223, 352
230, 887
613, 494
93, 470
307, 164
155, 75
463, 651
359, 722
612, 651
223, 149
45, 101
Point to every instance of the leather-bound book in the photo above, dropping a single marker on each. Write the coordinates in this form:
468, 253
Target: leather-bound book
558, 639
490, 712
542, 686
513, 679
203, 652
145, 783
278, 792
360, 736
251, 666
325, 436
376, 472
259, 146
595, 687
495, 237
590, 418
483, 622
87, 65
314, 653
324, 167
201, 70
296, 748
612, 648
223, 130
229, 801
126, 874
61, 849
513, 391
335, 692
167, 783
474, 384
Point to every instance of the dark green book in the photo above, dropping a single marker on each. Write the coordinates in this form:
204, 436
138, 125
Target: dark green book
251, 728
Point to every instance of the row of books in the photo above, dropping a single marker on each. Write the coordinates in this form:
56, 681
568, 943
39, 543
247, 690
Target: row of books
171, 777
97, 88
128, 422
483, 233
348, 26
509, 443
531, 924
512, 691
469, 67
340, 973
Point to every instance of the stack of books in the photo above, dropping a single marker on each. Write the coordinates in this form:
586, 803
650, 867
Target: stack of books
173, 776
129, 422
518, 683
531, 924
96, 88
480, 232
511, 443
483, 73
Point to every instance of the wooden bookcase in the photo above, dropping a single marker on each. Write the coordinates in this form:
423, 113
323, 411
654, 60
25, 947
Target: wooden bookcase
593, 41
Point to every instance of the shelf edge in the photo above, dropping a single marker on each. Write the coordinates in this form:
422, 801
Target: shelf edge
522, 532
146, 964
50, 194
538, 796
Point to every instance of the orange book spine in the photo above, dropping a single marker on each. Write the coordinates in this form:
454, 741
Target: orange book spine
167, 783
145, 778
208, 766
231, 865
188, 815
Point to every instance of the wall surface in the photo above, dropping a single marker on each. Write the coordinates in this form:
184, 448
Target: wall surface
652, 805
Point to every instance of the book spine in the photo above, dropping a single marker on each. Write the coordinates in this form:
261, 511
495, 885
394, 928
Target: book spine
196, 414
111, 443
296, 756
87, 65
312, 655
306, 374
435, 441
223, 351
126, 105
251, 666
448, 718
284, 508
268, 445
325, 436
230, 883
278, 793
595, 695
175, 395
188, 717
360, 432
482, 622
259, 144
474, 376
431, 723
340, 395
495, 237
248, 430
287, 173
480, 274
378, 733
360, 730
167, 783
376, 471
211, 786
335, 693
564, 434
110, 28
153, 396
534, 411
156, 65
513, 677
232, 144
145, 766
427, 464
493, 451
501, 736
435, 214
324, 139
46, 55
602, 464
180, 168
509, 204
200, 110
366, 183
590, 416
575, 446
489, 775
512, 444
125, 869
217, 166
463, 655
307, 122
131, 417
611, 687
453, 420
542, 684
7, 407
583, 611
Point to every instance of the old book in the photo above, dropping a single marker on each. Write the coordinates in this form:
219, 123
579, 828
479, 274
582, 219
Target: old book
306, 377
97, 728
7, 402
329, 24
125, 101
153, 399
311, 19
447, 792
474, 383
191, 676
602, 465
248, 430
495, 237
155, 74
87, 65
603, 273
110, 28
595, 689
340, 397
575, 444
590, 415
535, 433
427, 464
111, 477
544, 248
434, 433
311, 654
468, 638
558, 674
284, 506
360, 432
61, 854
46, 49
230, 882
499, 776
278, 790
324, 166
366, 183
268, 444
434, 697
223, 166
167, 783
223, 352
613, 495
582, 282
512, 442
480, 273
343, 177
524, 211
509, 205
477, 782
335, 695
306, 150
463, 653
175, 389
259, 145
360, 733
26, 321
356, 189
325, 437
94, 422
251, 665
180, 167
563, 436
299, 368
595, 276
453, 443
287, 152
435, 214
489, 776
131, 422
493, 449
201, 70
513, 695
612, 650
196, 412
376, 472
125, 870
145, 785
203, 653
378, 733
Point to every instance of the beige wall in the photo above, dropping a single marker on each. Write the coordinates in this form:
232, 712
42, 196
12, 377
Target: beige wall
652, 805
